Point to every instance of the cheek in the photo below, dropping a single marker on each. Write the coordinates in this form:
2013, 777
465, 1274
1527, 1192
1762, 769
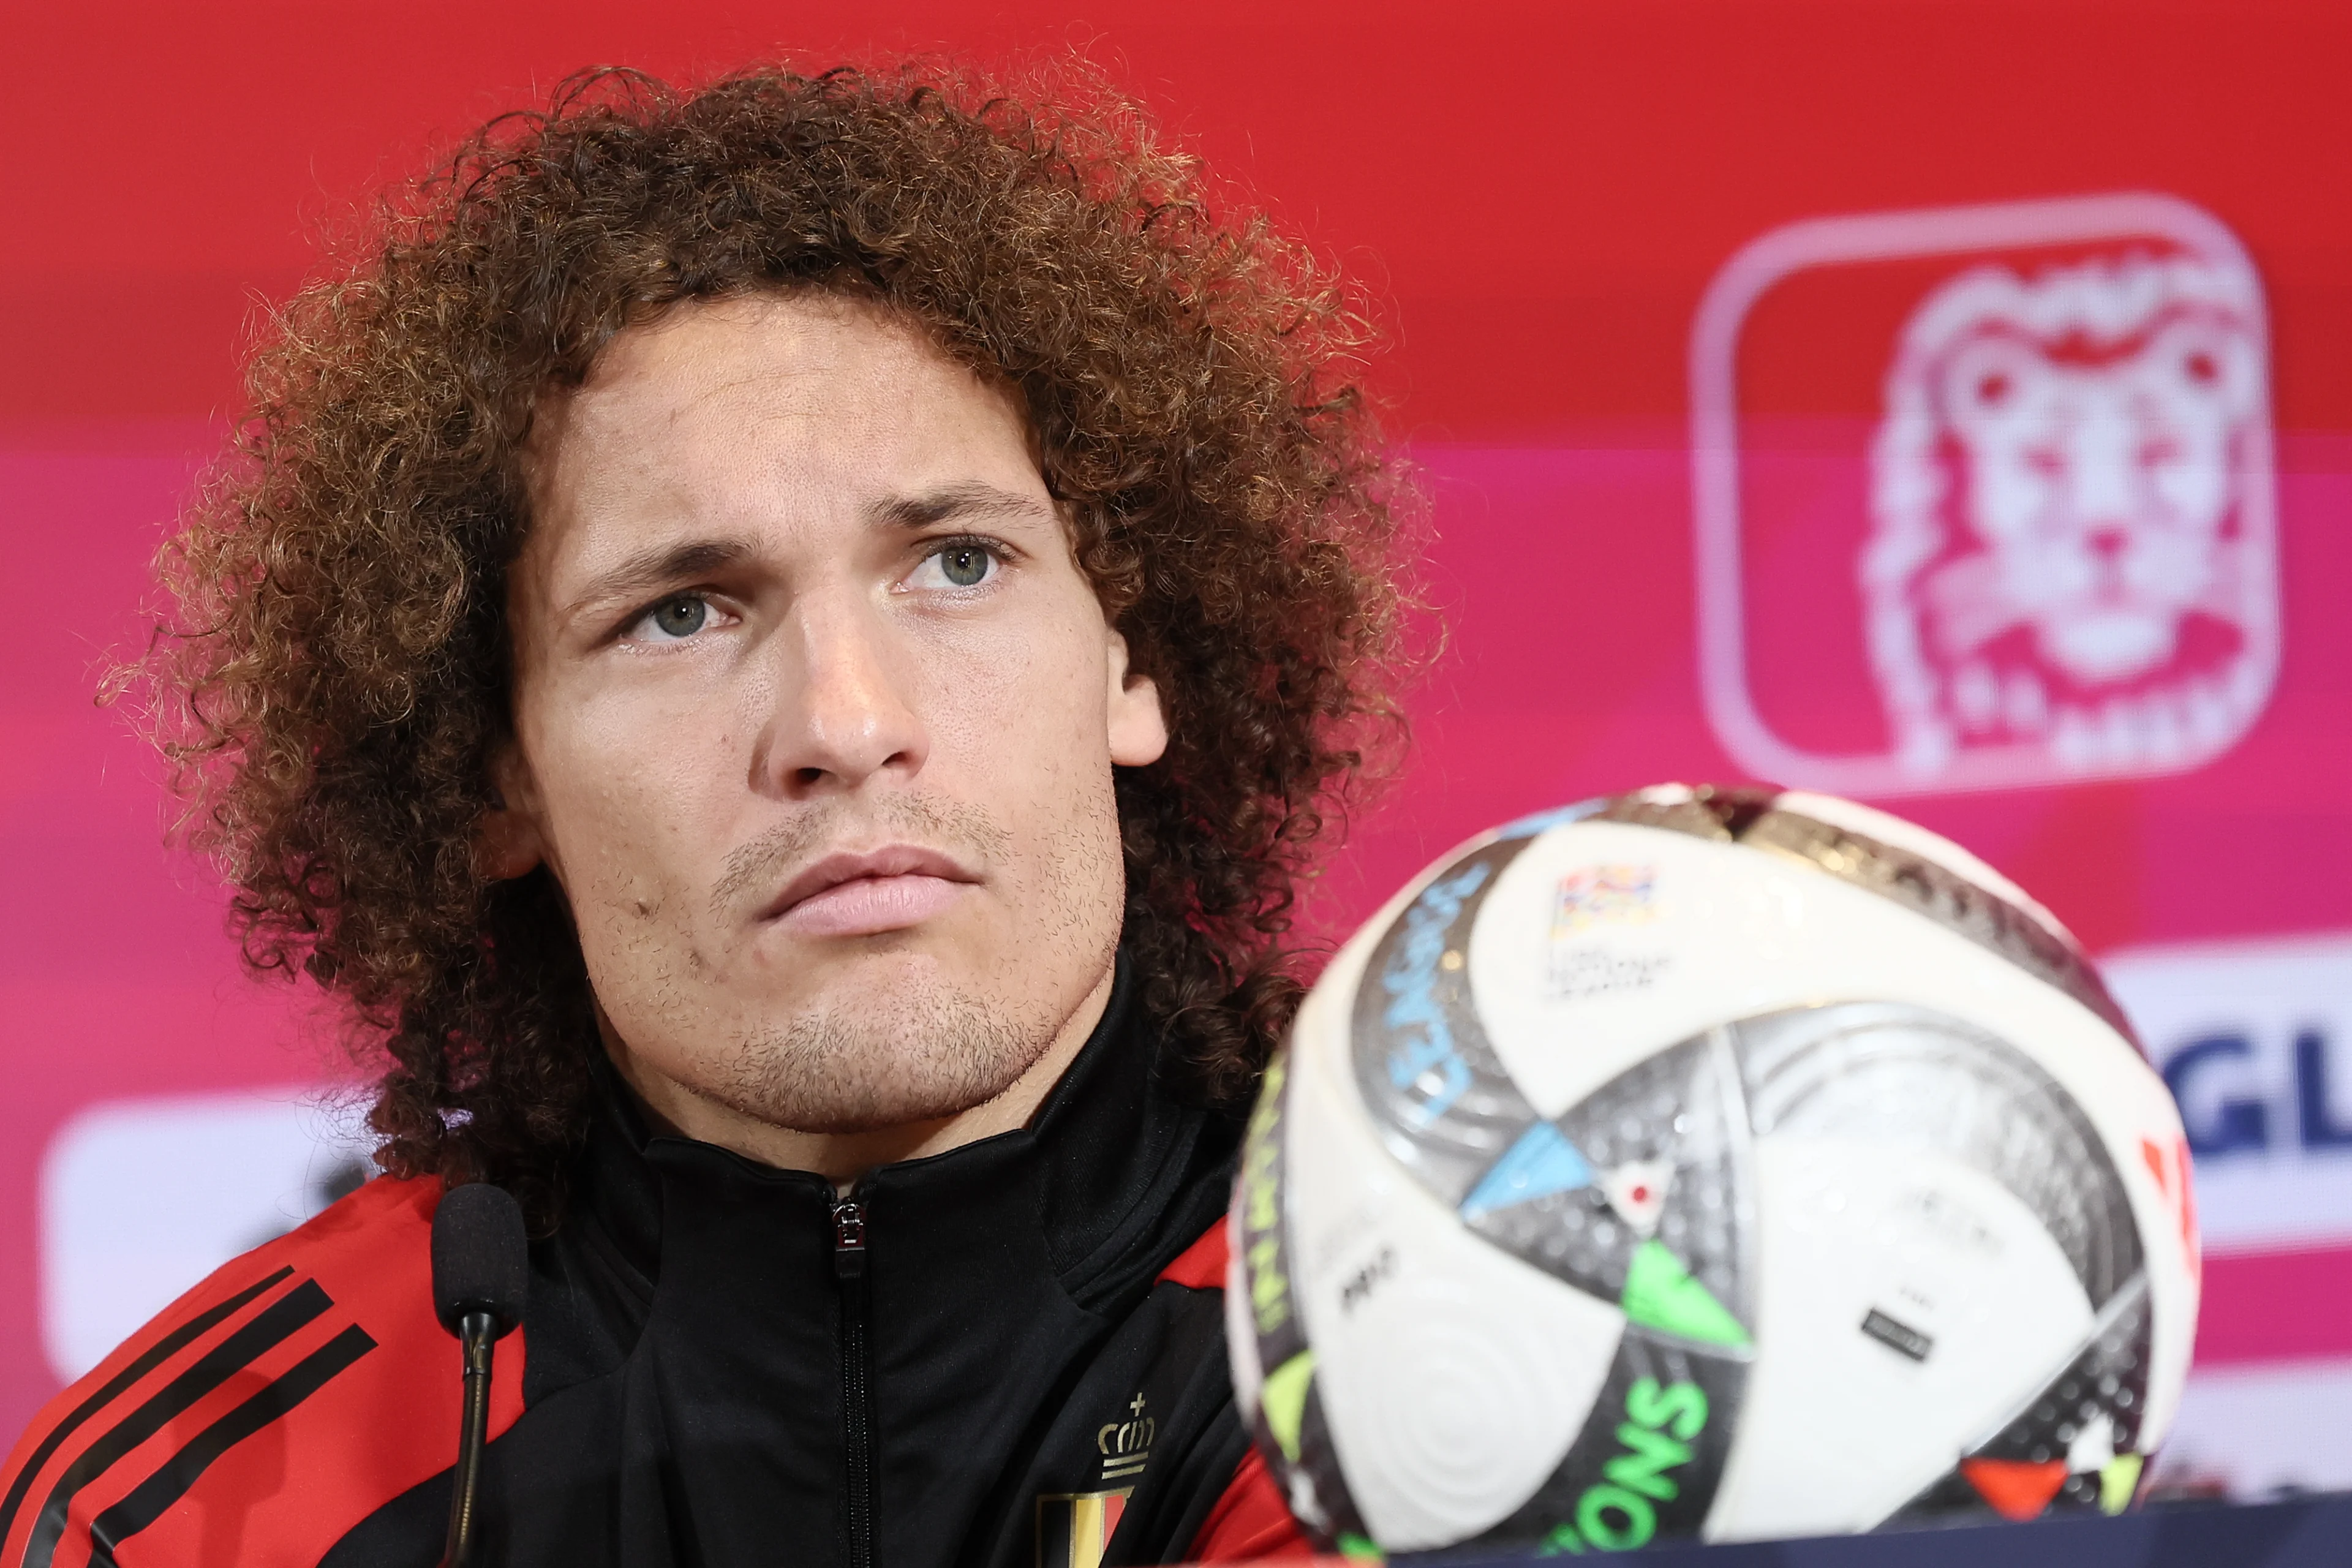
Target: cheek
1018, 728
2195, 486
2011, 495
629, 787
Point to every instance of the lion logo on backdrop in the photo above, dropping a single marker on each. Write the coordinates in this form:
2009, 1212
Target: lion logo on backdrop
2058, 556
2065, 551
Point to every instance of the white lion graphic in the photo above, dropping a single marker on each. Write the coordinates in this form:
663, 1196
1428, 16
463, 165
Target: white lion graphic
2070, 552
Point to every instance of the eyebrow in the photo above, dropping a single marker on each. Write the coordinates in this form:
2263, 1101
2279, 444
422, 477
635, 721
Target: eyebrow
950, 503
657, 567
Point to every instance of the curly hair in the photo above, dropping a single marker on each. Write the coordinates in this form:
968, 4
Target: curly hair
336, 677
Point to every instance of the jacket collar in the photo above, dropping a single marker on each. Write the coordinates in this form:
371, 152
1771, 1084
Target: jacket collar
1091, 1176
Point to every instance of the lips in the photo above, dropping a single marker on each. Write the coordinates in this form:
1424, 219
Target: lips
890, 888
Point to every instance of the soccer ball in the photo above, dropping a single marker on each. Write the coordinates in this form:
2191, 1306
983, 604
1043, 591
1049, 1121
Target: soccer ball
1716, 1163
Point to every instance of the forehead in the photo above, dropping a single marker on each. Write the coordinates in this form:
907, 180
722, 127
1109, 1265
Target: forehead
723, 405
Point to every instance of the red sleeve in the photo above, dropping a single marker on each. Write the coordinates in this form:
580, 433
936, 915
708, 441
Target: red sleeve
1250, 1522
262, 1414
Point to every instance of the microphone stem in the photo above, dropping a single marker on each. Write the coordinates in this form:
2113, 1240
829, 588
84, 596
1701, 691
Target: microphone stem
479, 1331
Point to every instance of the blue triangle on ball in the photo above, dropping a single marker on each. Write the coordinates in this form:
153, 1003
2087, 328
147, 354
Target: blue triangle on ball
1539, 1163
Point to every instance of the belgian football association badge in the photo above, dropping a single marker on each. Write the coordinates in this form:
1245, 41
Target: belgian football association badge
1073, 1529
1984, 496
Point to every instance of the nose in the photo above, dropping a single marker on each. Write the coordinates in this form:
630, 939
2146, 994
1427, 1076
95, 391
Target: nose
2103, 470
840, 712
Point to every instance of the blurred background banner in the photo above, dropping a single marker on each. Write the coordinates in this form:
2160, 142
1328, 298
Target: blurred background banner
1946, 404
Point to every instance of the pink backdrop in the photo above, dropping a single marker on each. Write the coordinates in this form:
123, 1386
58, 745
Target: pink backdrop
1541, 197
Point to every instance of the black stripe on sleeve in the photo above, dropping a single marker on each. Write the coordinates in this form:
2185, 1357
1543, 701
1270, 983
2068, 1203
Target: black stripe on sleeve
155, 1355
271, 1326
168, 1485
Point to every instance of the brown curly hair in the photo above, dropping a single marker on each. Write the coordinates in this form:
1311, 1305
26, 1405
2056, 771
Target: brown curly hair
335, 680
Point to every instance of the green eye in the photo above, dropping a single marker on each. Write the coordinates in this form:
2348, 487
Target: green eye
964, 565
680, 617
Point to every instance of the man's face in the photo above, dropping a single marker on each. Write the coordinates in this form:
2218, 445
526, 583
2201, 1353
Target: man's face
815, 720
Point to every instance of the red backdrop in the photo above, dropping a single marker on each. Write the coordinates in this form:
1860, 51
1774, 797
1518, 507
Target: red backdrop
1540, 198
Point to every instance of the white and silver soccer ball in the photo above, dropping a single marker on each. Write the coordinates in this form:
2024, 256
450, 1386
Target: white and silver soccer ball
1716, 1163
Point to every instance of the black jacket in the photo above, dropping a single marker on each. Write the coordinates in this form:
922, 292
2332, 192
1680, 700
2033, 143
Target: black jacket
975, 1361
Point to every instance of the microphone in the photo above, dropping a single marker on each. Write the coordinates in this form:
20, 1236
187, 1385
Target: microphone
481, 1271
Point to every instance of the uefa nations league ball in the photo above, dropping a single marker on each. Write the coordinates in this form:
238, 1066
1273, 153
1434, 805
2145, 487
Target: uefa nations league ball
1707, 1163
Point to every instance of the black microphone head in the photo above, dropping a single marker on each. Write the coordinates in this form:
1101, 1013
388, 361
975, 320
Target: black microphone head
481, 1258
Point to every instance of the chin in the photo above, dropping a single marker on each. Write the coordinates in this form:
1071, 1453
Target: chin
854, 1034
870, 1051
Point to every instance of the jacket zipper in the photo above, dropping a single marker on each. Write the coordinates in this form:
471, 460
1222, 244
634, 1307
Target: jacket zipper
858, 1419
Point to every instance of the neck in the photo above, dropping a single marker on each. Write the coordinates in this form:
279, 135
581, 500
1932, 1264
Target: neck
841, 1158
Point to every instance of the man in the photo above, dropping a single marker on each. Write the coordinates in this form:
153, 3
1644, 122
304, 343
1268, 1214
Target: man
781, 649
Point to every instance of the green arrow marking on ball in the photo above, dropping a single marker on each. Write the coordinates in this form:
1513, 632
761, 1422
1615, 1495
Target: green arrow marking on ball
2118, 1481
1661, 1294
1284, 1400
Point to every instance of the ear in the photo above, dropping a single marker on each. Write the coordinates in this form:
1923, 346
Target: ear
1138, 729
507, 841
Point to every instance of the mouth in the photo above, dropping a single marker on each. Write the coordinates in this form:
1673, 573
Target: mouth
870, 893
